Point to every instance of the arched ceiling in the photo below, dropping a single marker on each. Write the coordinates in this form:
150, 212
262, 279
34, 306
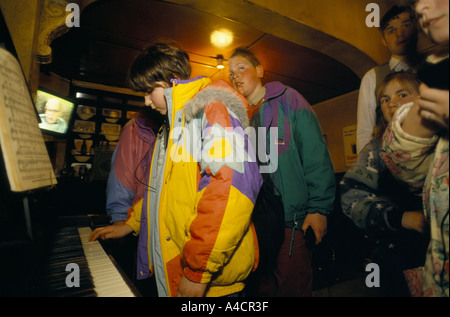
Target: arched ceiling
313, 54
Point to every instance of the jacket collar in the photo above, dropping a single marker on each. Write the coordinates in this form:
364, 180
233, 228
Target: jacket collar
184, 90
274, 89
218, 91
144, 128
180, 92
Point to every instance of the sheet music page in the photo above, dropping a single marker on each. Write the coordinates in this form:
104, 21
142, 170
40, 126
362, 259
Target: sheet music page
26, 158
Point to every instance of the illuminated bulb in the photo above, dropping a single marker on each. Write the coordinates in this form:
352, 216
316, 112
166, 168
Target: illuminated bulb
221, 38
220, 62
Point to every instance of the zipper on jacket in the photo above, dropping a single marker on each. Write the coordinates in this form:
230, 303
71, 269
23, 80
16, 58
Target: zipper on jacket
295, 227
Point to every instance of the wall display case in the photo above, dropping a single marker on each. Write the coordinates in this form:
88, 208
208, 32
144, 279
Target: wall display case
94, 131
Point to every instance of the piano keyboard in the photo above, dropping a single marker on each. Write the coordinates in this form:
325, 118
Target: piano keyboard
108, 282
99, 276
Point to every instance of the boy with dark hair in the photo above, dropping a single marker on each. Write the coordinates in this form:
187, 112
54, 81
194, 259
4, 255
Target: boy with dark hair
195, 230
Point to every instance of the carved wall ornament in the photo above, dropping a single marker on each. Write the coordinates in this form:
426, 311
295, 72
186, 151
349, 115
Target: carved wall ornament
52, 25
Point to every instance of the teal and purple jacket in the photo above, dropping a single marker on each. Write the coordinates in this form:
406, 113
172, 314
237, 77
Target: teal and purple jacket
305, 172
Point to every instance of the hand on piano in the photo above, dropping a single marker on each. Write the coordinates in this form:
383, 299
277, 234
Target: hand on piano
118, 230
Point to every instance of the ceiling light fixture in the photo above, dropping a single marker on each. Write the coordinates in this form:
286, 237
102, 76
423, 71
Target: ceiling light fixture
220, 61
221, 38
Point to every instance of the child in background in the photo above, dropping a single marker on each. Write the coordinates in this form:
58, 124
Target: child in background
399, 34
304, 175
384, 208
416, 147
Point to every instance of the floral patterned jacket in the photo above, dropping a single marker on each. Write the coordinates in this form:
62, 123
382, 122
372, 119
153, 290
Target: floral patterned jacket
372, 198
424, 162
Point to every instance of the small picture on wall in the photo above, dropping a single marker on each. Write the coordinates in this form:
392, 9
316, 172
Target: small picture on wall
349, 135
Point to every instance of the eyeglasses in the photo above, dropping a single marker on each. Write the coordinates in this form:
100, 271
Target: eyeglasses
52, 110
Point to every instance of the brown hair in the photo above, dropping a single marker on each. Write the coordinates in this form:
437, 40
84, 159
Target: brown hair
160, 62
393, 13
407, 79
243, 52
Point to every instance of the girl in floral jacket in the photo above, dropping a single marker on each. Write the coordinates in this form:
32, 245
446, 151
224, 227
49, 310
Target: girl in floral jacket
384, 208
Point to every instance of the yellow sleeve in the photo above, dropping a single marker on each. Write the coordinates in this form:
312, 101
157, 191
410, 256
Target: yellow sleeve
134, 216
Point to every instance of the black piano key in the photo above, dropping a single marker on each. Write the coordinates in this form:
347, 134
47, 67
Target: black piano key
66, 248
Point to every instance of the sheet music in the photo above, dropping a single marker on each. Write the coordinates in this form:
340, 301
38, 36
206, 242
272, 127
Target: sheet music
26, 158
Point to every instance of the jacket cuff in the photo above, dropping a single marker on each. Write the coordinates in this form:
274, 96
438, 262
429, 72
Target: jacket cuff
135, 225
410, 141
134, 216
318, 211
197, 276
394, 218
